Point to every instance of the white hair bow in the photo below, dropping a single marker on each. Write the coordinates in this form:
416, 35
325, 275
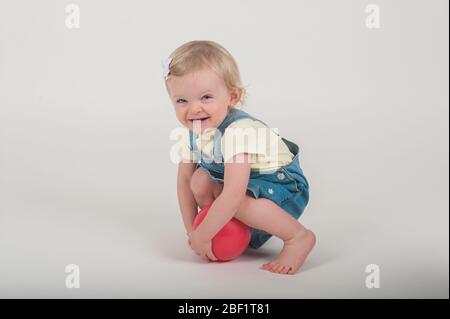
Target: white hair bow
166, 67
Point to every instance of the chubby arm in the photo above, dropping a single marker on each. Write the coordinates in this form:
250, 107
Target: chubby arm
186, 199
236, 176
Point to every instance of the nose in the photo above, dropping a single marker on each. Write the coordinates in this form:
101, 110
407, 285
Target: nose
196, 108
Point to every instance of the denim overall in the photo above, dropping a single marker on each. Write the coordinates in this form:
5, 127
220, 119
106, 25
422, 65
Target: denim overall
287, 186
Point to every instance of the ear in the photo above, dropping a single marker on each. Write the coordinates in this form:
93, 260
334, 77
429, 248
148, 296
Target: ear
235, 96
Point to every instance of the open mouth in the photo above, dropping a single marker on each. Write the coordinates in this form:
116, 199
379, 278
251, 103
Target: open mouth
199, 119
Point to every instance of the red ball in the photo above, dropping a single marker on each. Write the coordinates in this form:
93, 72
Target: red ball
231, 241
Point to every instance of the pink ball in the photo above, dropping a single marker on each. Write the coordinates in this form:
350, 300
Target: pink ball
231, 241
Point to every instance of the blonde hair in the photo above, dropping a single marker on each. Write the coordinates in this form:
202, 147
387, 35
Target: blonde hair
195, 55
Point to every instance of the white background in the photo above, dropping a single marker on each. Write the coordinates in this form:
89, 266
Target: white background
85, 170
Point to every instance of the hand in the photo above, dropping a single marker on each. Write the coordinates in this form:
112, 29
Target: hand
188, 233
201, 247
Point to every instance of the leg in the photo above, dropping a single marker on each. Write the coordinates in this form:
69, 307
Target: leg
205, 189
264, 214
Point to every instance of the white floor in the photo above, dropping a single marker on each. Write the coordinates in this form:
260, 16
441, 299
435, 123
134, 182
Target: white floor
133, 251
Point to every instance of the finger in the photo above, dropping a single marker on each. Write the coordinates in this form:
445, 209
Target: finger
211, 256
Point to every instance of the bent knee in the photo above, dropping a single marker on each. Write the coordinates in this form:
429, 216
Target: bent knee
201, 182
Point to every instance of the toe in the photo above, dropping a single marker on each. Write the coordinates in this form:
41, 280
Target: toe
282, 270
285, 270
273, 267
270, 265
277, 268
266, 266
292, 271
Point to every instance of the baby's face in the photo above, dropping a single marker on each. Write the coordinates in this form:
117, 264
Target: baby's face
201, 97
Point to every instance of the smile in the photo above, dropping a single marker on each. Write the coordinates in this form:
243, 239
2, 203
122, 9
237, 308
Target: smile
199, 119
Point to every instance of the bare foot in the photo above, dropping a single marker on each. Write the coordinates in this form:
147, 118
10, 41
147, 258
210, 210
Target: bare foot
293, 254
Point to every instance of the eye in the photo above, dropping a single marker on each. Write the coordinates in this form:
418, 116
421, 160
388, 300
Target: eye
207, 97
181, 101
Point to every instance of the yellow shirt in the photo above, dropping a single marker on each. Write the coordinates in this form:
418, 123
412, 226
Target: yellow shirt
267, 149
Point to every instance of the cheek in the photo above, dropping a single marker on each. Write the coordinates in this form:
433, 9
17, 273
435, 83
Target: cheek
181, 114
219, 109
214, 108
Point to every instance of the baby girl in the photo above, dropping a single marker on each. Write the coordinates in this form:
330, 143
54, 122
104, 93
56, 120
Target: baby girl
223, 163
